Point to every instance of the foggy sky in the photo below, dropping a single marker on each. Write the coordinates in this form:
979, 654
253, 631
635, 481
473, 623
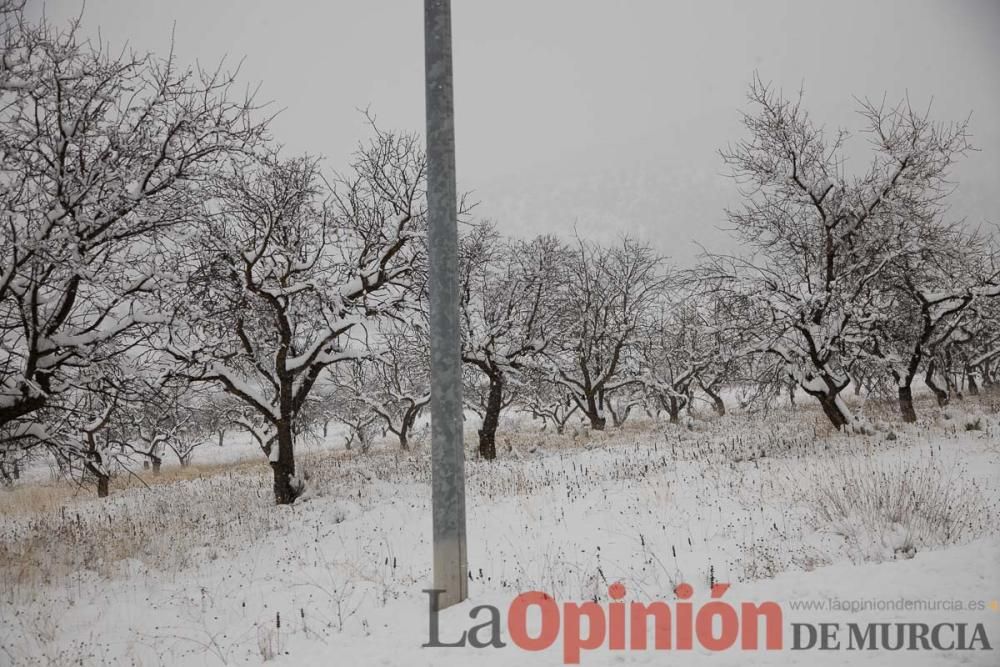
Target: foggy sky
601, 114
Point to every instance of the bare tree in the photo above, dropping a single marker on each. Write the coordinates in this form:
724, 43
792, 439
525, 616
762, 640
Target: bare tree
81, 433
283, 275
607, 293
397, 387
624, 401
220, 411
145, 425
349, 407
821, 239
670, 349
545, 399
984, 348
928, 294
508, 313
187, 434
100, 155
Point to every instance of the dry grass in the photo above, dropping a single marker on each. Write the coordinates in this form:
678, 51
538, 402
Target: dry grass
50, 496
52, 530
892, 508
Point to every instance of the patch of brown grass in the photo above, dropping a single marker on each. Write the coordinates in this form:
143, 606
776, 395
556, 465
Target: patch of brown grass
26, 499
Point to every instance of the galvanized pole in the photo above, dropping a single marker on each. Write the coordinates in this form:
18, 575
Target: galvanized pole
447, 450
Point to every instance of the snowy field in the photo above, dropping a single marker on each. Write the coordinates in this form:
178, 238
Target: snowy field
201, 568
755, 300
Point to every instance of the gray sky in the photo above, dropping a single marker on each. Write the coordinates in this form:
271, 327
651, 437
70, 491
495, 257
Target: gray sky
608, 115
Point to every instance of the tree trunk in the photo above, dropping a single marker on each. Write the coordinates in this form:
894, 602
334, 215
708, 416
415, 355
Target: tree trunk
833, 411
404, 432
103, 482
284, 465
618, 419
597, 419
906, 404
157, 462
940, 394
222, 434
409, 418
717, 403
491, 419
829, 399
971, 379
674, 410
952, 386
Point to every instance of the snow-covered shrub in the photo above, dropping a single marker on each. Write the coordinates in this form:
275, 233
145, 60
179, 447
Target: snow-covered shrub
341, 510
888, 509
863, 426
973, 420
973, 423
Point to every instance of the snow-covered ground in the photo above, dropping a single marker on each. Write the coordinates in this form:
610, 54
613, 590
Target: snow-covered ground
204, 570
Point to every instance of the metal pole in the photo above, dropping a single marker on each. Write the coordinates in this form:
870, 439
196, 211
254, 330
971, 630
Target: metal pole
447, 450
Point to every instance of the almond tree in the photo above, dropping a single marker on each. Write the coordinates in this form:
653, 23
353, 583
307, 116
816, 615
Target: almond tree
670, 351
145, 426
508, 315
101, 155
348, 381
398, 388
545, 399
622, 402
931, 291
187, 434
606, 294
691, 339
818, 239
80, 433
220, 410
284, 270
984, 325
721, 349
163, 413
93, 448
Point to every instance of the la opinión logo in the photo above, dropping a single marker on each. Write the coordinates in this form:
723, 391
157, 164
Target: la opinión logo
715, 625
683, 625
